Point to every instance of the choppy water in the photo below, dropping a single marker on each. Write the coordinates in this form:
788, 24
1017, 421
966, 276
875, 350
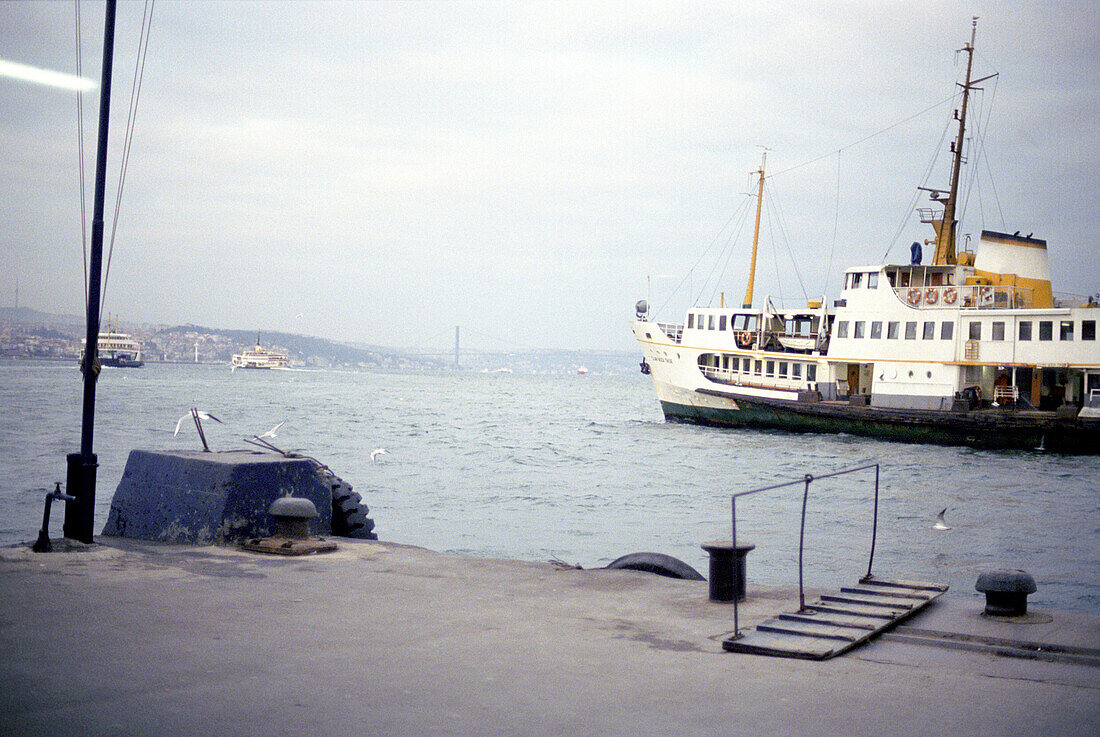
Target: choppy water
582, 468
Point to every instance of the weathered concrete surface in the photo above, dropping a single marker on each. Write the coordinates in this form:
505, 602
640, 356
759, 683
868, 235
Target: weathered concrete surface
198, 497
382, 639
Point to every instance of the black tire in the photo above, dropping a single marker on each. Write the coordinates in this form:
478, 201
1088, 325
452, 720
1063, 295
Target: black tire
659, 563
342, 490
349, 514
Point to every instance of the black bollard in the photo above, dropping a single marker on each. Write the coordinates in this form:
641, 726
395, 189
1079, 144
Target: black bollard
727, 569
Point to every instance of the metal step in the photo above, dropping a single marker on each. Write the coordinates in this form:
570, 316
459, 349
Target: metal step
837, 623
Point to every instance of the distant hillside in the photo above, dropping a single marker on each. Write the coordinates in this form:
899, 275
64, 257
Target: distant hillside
35, 317
300, 348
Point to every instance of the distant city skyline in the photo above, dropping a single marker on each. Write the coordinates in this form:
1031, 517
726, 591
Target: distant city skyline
529, 170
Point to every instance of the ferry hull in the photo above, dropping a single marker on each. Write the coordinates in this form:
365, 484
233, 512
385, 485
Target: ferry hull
988, 429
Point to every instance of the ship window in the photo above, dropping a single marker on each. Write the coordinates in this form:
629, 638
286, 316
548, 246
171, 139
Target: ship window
947, 330
910, 331
745, 366
858, 329
929, 331
872, 280
842, 329
892, 277
857, 280
731, 364
975, 331
722, 322
1046, 330
691, 320
973, 374
891, 331
782, 369
1065, 330
796, 371
756, 367
811, 372
770, 369
1025, 330
1088, 330
998, 330
876, 330
710, 326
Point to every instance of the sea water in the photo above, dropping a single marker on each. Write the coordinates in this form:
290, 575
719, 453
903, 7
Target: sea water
579, 468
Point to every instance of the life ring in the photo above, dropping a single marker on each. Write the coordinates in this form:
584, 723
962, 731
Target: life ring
744, 337
985, 295
949, 296
914, 296
931, 295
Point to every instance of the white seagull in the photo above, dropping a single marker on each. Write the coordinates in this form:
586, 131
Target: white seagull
375, 453
202, 416
941, 524
271, 433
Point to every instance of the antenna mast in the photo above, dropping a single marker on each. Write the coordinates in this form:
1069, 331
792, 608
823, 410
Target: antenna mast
945, 227
756, 232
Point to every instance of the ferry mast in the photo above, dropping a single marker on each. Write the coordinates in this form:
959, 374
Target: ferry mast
945, 224
755, 234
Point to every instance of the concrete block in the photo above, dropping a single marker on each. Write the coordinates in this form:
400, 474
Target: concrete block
205, 498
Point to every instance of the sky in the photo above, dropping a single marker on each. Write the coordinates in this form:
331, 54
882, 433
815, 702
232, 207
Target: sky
381, 172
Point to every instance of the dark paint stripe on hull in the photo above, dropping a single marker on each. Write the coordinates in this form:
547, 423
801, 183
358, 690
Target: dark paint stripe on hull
977, 430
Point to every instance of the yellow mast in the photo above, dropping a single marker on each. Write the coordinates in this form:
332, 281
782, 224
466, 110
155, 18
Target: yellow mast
945, 226
756, 233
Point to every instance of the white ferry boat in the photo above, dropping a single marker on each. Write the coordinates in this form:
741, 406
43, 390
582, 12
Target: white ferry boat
118, 350
971, 349
259, 358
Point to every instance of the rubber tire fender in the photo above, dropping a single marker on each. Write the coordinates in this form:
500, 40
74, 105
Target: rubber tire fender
659, 563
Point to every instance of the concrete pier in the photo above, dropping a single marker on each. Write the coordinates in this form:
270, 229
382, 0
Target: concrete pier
133, 638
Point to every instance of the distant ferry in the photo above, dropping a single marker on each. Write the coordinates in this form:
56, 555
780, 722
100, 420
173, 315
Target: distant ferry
118, 350
971, 349
259, 358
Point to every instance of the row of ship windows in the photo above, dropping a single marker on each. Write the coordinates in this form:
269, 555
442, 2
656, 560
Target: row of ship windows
947, 330
759, 367
736, 322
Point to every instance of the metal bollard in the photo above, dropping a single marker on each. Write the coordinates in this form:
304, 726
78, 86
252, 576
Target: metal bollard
727, 569
290, 517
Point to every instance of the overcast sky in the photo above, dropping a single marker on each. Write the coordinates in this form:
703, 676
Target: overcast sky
391, 170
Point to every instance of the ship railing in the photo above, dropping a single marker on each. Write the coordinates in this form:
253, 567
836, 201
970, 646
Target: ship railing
980, 296
672, 330
732, 377
805, 482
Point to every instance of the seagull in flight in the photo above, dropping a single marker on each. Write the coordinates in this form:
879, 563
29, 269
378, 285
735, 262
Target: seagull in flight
271, 433
941, 524
201, 415
379, 452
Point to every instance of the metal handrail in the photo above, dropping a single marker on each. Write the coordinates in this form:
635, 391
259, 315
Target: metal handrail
805, 480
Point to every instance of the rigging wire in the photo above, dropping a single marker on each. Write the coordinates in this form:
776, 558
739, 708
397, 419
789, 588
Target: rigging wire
729, 249
135, 96
80, 156
916, 193
836, 224
869, 136
837, 153
699, 260
774, 204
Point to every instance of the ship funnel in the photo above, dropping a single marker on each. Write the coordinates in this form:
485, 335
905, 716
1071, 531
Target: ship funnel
1016, 261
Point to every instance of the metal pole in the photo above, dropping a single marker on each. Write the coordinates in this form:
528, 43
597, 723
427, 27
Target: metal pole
79, 514
874, 529
801, 536
733, 541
